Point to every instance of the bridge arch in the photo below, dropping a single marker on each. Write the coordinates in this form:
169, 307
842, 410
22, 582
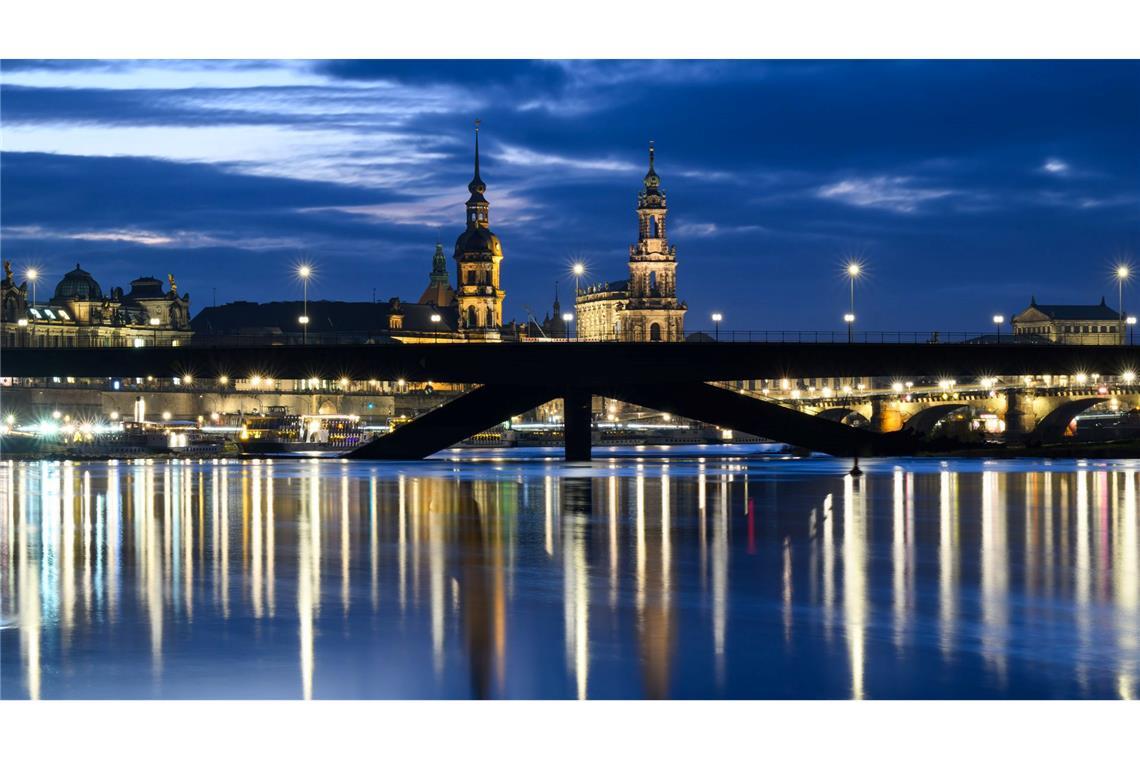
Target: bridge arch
1052, 426
844, 415
924, 421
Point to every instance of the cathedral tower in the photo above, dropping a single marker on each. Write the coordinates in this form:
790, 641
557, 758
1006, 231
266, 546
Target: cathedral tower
653, 312
478, 254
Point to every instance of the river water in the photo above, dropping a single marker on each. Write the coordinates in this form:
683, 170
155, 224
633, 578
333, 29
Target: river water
678, 573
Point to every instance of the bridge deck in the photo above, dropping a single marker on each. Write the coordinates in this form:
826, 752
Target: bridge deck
573, 364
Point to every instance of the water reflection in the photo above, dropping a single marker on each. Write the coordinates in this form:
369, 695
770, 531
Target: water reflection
651, 579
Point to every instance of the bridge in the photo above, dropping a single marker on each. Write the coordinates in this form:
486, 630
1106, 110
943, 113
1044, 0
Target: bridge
513, 378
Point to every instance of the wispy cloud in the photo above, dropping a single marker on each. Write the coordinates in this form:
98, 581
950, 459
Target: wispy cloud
899, 194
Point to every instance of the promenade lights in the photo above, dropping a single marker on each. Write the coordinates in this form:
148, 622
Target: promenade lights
998, 320
1081, 378
897, 387
166, 416
1131, 322
716, 318
21, 323
1128, 376
187, 379
849, 318
114, 416
255, 381
223, 380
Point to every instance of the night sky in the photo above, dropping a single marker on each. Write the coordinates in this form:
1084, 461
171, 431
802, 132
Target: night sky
964, 187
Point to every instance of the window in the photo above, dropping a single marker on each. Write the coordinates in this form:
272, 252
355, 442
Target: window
652, 226
472, 321
470, 276
655, 332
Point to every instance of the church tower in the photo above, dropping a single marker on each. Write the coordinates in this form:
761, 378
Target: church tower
478, 253
653, 312
438, 291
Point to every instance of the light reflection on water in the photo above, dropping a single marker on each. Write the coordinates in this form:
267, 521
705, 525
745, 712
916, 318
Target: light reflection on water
655, 578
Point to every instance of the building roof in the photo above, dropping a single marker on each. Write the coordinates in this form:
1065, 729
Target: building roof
78, 285
1100, 311
324, 317
617, 286
146, 287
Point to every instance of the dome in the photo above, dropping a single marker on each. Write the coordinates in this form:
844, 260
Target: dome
78, 285
477, 240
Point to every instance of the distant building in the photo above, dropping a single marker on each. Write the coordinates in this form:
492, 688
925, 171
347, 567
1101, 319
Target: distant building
277, 322
478, 254
1085, 325
644, 307
78, 313
439, 291
553, 325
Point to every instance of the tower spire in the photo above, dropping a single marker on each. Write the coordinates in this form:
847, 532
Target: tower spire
650, 155
477, 186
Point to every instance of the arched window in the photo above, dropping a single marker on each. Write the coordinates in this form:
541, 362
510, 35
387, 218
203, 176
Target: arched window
652, 282
470, 276
472, 320
652, 226
655, 332
490, 317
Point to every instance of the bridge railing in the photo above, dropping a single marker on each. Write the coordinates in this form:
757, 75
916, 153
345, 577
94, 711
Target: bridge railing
26, 339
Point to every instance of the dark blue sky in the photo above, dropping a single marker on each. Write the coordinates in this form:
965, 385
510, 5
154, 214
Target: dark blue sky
965, 187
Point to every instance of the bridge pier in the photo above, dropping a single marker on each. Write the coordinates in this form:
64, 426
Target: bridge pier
1019, 417
885, 416
577, 414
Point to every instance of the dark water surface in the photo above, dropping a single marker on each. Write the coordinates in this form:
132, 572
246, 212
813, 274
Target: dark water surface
668, 577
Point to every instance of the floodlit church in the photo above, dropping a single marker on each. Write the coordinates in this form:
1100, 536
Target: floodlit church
644, 307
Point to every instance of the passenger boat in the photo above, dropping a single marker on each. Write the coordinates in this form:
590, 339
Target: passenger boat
281, 431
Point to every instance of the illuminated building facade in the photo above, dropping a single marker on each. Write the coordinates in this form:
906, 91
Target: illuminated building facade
644, 307
80, 314
478, 254
1082, 325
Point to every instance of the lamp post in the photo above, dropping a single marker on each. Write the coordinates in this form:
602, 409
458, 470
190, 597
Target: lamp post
1122, 274
1131, 321
33, 275
154, 331
435, 320
568, 322
578, 269
998, 319
853, 270
303, 272
716, 318
849, 318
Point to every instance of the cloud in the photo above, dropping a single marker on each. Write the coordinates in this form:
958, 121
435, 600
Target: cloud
1055, 166
898, 194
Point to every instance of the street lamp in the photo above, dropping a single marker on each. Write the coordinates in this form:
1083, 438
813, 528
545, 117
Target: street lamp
716, 318
578, 269
567, 321
303, 272
853, 270
435, 320
33, 275
998, 319
850, 320
1131, 321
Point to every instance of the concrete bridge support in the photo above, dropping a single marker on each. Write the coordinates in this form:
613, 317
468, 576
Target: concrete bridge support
1020, 420
451, 423
885, 416
577, 414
